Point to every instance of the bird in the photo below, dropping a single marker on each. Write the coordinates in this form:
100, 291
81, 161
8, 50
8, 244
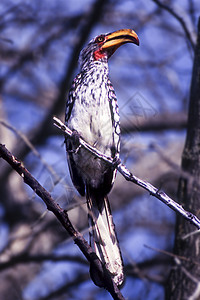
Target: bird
92, 113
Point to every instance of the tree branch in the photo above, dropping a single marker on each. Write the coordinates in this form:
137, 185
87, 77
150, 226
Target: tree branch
130, 177
159, 122
186, 240
24, 258
62, 216
65, 287
179, 19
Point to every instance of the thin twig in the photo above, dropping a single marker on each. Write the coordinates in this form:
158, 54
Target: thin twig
24, 258
179, 19
30, 145
172, 255
130, 177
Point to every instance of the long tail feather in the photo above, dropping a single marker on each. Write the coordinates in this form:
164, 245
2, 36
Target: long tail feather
103, 237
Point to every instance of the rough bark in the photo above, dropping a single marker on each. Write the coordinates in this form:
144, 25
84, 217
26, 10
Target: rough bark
185, 276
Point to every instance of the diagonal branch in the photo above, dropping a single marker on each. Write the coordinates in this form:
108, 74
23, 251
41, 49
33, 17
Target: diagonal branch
62, 216
130, 177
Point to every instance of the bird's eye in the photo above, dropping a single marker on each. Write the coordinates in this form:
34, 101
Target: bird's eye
100, 39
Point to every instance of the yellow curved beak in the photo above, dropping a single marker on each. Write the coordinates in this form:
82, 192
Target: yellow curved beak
117, 38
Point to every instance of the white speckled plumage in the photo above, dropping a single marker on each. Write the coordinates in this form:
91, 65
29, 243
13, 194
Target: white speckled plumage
92, 111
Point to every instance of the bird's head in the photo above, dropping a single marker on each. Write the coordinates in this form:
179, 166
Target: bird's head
103, 46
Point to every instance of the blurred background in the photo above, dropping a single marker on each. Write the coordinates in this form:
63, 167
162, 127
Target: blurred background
39, 46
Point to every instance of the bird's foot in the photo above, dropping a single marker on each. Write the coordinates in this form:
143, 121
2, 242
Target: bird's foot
76, 141
116, 162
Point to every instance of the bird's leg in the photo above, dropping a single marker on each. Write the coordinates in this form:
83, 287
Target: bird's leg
116, 161
76, 142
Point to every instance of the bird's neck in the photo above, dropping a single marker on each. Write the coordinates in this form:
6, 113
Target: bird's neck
95, 66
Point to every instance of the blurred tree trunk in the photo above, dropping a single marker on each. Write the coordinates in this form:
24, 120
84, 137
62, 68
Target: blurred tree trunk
184, 280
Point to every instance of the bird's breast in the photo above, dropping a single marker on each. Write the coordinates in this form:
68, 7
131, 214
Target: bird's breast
91, 115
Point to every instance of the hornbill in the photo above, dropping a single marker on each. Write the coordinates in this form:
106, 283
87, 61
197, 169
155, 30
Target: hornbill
92, 113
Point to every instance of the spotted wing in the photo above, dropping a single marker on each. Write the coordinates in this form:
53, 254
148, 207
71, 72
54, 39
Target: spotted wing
114, 109
75, 176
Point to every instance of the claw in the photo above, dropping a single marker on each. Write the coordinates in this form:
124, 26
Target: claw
116, 161
75, 151
76, 141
